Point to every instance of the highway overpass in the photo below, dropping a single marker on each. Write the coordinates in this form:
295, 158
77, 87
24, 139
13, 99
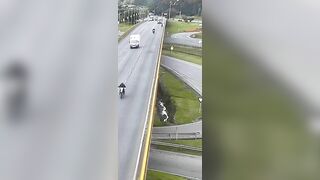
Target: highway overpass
137, 68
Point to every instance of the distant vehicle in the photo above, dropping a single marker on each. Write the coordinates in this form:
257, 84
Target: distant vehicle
122, 91
151, 18
134, 41
159, 22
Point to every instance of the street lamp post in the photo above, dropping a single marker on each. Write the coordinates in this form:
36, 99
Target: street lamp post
134, 16
171, 7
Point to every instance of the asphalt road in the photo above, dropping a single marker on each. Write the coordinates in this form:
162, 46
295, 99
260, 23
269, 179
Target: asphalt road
188, 72
184, 131
184, 39
185, 165
136, 68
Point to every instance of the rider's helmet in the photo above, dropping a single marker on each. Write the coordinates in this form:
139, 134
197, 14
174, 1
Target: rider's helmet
122, 85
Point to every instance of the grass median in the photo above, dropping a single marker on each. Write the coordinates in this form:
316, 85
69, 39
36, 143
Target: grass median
183, 56
194, 143
177, 27
184, 98
156, 175
183, 49
177, 149
124, 27
186, 53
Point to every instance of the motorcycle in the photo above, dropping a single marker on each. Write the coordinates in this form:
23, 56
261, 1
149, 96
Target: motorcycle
153, 31
121, 92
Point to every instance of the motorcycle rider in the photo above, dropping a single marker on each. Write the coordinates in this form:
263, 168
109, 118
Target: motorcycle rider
153, 30
122, 87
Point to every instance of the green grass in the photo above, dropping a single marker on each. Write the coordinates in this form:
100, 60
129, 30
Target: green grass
156, 120
178, 150
158, 123
256, 129
190, 54
187, 103
183, 56
177, 27
123, 27
156, 175
126, 29
183, 49
194, 143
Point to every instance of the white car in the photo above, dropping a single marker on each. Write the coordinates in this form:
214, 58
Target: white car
134, 41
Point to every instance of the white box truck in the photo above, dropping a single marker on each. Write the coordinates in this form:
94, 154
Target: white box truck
134, 41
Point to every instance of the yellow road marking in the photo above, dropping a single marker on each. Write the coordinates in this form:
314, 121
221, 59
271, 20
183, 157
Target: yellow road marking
144, 165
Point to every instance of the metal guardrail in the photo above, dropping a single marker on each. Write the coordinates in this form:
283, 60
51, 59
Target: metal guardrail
182, 146
175, 136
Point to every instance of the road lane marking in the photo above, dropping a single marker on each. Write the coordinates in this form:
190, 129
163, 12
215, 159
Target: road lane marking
144, 165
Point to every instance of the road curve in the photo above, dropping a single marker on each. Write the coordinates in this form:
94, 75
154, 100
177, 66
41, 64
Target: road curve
191, 74
178, 163
136, 68
185, 165
188, 72
184, 39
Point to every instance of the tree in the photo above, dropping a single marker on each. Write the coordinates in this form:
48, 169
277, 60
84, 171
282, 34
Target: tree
187, 7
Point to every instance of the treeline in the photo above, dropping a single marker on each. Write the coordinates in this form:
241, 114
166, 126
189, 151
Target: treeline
186, 7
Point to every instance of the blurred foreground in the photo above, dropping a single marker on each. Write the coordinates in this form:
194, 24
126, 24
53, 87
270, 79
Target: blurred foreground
57, 90
261, 90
